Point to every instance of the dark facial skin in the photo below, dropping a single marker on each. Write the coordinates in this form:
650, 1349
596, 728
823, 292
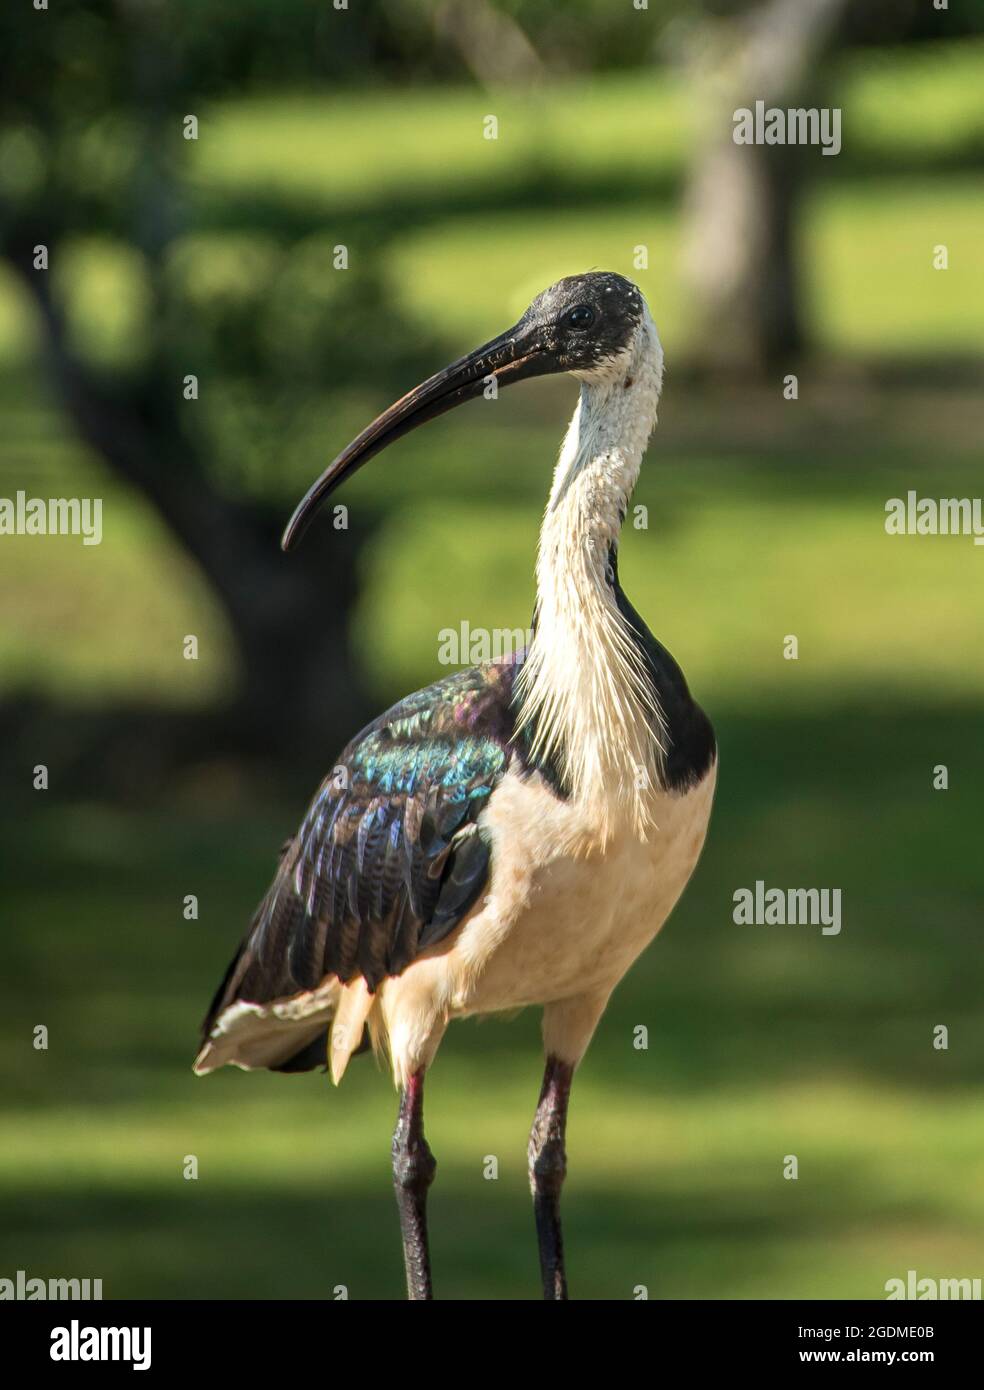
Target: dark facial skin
584, 320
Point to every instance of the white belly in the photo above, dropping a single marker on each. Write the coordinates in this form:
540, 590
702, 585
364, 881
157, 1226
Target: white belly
563, 920
565, 916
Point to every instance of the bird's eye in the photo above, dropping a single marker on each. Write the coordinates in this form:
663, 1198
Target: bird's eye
581, 316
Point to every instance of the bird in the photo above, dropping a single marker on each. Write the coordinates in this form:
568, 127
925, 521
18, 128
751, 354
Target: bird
515, 834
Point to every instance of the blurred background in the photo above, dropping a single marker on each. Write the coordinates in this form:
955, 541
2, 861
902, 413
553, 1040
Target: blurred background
363, 128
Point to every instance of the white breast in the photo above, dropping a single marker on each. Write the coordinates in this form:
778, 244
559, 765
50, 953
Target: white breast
565, 914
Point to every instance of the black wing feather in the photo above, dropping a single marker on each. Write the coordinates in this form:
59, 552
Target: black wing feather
389, 857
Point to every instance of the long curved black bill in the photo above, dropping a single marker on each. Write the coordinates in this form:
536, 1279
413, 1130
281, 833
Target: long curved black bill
513, 356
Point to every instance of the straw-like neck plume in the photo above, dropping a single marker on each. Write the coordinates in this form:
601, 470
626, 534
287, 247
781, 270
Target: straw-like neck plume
585, 693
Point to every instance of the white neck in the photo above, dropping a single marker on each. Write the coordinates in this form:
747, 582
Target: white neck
582, 684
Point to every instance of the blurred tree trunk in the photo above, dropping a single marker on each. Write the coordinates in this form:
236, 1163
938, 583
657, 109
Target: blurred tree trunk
490, 43
741, 207
300, 685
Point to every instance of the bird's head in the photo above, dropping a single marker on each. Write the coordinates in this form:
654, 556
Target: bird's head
588, 325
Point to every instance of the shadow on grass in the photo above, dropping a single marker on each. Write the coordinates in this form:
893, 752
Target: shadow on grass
199, 1243
839, 797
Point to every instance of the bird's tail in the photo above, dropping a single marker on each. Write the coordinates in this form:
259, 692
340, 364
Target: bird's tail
262, 1014
316, 1028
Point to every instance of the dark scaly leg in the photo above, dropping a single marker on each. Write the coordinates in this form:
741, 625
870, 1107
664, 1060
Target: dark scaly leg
413, 1172
548, 1167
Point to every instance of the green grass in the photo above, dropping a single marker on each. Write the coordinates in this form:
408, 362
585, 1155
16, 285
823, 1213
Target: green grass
583, 172
874, 288
107, 621
764, 518
632, 127
782, 553
762, 1043
920, 101
432, 143
871, 286
788, 534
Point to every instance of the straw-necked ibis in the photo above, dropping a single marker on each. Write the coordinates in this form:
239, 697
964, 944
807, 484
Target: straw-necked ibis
515, 834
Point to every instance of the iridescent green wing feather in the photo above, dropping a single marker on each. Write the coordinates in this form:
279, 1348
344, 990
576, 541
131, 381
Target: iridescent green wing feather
389, 857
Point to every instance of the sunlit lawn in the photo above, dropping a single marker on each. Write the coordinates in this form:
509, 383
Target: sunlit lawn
737, 546
762, 1043
760, 522
582, 173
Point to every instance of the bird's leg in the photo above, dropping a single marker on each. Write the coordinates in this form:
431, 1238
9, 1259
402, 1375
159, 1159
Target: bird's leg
413, 1172
548, 1167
